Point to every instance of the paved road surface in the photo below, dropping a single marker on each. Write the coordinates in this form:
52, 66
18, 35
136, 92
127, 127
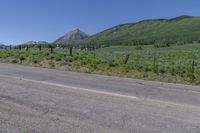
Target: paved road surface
50, 101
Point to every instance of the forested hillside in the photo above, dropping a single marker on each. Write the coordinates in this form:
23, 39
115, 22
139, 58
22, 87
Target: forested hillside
180, 30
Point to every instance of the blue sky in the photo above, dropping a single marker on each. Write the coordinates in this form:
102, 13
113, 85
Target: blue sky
24, 20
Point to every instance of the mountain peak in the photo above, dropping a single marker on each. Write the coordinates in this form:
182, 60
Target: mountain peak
77, 30
71, 36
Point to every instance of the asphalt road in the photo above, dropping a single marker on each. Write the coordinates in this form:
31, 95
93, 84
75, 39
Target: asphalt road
50, 101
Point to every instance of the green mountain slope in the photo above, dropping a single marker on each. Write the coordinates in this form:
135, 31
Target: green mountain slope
183, 28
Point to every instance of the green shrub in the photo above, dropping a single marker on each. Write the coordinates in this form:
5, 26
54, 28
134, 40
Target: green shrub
173, 71
112, 64
22, 58
161, 45
35, 61
52, 65
14, 61
180, 42
148, 68
68, 59
58, 58
139, 47
93, 66
140, 66
76, 58
83, 62
51, 57
162, 70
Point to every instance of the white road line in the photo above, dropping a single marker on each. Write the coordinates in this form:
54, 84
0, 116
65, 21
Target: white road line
82, 89
102, 92
71, 87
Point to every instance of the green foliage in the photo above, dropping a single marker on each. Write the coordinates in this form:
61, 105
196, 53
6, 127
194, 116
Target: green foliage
5, 53
161, 43
139, 47
177, 62
180, 42
22, 58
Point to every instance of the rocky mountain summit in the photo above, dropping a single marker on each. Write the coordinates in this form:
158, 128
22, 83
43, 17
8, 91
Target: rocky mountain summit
70, 37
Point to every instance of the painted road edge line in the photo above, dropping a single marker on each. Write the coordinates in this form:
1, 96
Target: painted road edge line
100, 92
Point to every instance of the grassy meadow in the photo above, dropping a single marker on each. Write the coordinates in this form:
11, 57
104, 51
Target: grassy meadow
176, 64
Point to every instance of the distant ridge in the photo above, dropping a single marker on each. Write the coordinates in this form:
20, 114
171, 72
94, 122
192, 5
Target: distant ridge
35, 43
151, 20
162, 19
3, 46
180, 18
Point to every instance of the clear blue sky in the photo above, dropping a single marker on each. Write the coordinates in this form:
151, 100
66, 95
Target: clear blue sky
24, 20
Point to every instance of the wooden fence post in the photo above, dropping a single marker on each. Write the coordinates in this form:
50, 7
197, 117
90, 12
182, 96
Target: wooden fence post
51, 47
155, 67
126, 58
70, 51
40, 47
193, 70
193, 64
